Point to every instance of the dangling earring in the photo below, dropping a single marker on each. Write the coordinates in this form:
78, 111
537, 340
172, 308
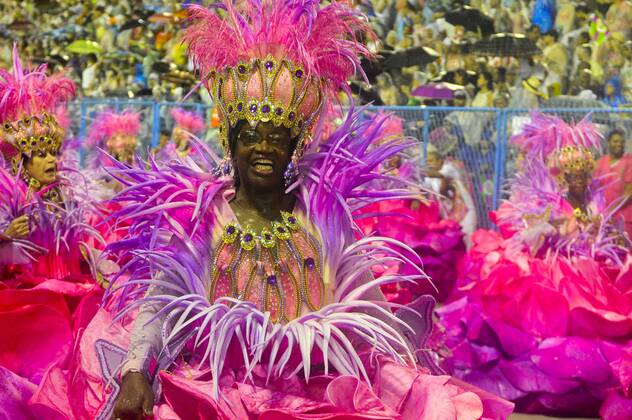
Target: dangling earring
224, 168
291, 172
34, 184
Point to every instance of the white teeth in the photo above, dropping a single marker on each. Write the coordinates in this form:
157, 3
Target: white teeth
264, 168
263, 162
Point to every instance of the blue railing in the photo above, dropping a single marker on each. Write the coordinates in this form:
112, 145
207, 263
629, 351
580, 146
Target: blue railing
476, 138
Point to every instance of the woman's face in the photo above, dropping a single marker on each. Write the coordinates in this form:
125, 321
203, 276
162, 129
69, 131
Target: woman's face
42, 166
179, 137
481, 82
122, 147
262, 155
434, 161
577, 182
616, 145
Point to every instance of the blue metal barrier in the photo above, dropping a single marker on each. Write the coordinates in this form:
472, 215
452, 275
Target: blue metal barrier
476, 139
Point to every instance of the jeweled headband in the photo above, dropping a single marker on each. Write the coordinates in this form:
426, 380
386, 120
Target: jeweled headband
27, 111
278, 61
30, 135
571, 159
263, 90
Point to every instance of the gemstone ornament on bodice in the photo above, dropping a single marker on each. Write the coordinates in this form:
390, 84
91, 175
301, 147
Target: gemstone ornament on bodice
279, 268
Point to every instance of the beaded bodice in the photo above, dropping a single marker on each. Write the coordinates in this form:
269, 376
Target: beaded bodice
279, 269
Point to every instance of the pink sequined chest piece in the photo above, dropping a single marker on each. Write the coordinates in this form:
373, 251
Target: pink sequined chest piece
279, 269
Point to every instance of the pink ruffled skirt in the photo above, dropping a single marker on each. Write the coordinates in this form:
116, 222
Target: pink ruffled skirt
78, 391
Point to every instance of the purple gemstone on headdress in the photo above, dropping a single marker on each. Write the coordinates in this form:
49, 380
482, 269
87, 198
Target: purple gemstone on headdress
271, 279
230, 230
248, 237
230, 109
309, 263
291, 219
267, 236
269, 65
300, 124
253, 108
241, 69
291, 116
281, 229
279, 111
265, 109
299, 73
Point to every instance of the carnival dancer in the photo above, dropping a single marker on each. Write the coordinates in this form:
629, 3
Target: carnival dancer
185, 123
48, 273
116, 133
113, 136
250, 284
546, 316
456, 203
418, 222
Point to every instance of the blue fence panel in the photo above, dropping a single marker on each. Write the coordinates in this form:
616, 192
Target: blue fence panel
474, 140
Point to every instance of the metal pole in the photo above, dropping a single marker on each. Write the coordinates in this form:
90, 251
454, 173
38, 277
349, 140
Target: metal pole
155, 127
425, 133
83, 116
501, 124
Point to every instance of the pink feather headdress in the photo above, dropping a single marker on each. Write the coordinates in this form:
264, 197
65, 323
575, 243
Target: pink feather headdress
188, 120
547, 133
275, 60
114, 130
565, 147
28, 102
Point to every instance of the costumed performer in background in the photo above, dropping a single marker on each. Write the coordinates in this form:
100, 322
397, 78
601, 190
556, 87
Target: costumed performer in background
48, 272
546, 314
185, 123
417, 222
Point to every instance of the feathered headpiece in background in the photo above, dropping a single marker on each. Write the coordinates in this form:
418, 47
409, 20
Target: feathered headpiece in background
115, 131
28, 103
187, 120
566, 147
275, 60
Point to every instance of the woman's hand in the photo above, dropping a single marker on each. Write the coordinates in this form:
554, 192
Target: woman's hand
135, 399
18, 228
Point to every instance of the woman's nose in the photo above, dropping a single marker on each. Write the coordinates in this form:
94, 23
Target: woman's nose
264, 145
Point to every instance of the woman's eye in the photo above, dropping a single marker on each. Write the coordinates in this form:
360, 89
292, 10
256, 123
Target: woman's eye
249, 137
276, 139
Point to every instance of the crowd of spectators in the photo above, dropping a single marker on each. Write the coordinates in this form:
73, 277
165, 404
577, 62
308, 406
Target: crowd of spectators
585, 51
113, 48
132, 48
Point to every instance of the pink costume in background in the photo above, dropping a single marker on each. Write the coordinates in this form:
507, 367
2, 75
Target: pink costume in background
185, 123
282, 323
112, 136
545, 317
47, 286
418, 223
615, 176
